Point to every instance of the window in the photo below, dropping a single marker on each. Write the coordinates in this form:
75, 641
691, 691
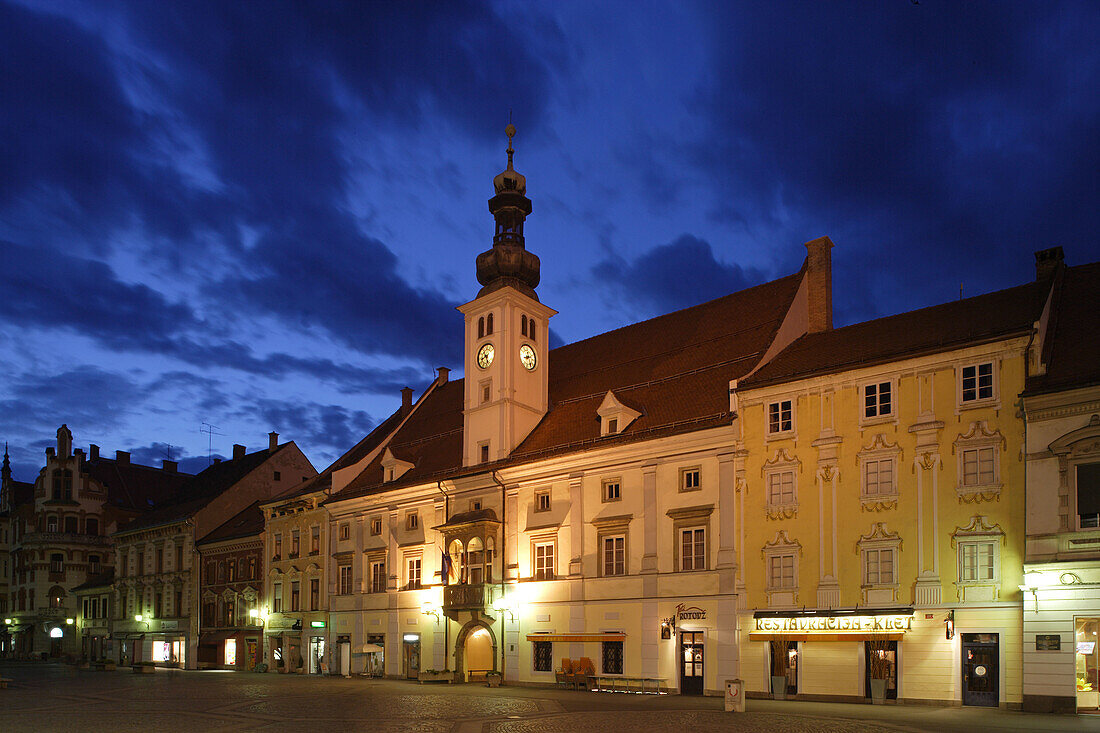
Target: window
343, 585
251, 568
378, 577
486, 390
295, 543
779, 417
977, 562
613, 425
977, 382
481, 327
542, 501
693, 552
1088, 494
160, 559
140, 564
315, 540
412, 575
277, 597
543, 654
878, 477
57, 563
489, 325
523, 325
977, 466
230, 612
879, 566
475, 505
878, 400
531, 329
179, 557
231, 571
781, 571
91, 526
295, 595
781, 488
71, 524
314, 594
345, 531
483, 449
412, 521
51, 523
376, 526
278, 554
614, 555
612, 490
93, 564
544, 561
689, 479
612, 657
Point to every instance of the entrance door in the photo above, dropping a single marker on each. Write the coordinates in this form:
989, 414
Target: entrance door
344, 646
979, 665
881, 658
253, 653
316, 653
412, 659
691, 663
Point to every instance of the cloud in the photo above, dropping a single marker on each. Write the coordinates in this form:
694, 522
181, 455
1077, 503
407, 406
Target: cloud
673, 276
329, 429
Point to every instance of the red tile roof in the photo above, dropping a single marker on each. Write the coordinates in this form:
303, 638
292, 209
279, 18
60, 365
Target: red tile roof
248, 522
1072, 349
133, 486
675, 369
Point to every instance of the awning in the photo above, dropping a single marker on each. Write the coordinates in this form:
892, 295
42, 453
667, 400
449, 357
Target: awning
867, 611
18, 629
794, 636
610, 636
368, 649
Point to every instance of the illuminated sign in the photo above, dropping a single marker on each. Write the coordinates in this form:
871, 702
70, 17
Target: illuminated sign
230, 651
835, 624
56, 632
690, 613
317, 624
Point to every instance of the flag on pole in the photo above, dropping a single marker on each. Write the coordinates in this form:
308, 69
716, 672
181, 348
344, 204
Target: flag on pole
447, 567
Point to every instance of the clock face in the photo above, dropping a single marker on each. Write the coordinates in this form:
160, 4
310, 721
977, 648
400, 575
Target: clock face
527, 357
485, 356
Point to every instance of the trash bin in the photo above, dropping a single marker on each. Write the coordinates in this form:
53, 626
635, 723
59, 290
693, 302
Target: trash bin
735, 696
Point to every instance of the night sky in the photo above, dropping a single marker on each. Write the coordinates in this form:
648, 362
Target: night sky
261, 215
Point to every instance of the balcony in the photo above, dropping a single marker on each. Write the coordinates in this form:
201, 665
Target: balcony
463, 597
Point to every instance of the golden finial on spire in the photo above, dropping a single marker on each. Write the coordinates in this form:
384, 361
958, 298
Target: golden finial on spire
510, 131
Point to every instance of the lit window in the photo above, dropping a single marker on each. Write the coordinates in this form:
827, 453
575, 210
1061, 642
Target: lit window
378, 577
693, 549
977, 466
977, 561
295, 543
878, 400
544, 561
277, 597
878, 477
412, 575
344, 582
779, 417
781, 488
977, 382
614, 555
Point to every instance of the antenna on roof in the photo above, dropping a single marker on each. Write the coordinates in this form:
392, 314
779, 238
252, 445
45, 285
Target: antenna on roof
211, 431
168, 451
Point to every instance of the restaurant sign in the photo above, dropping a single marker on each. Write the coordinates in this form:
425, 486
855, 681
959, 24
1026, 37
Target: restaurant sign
690, 613
835, 624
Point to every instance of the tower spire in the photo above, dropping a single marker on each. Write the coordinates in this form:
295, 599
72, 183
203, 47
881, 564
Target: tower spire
509, 262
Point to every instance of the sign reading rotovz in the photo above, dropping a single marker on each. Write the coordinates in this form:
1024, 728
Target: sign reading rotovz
833, 624
689, 613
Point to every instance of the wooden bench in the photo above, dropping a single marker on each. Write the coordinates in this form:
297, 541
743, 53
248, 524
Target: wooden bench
644, 685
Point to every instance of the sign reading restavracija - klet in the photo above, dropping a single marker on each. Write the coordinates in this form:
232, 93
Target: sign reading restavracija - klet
835, 624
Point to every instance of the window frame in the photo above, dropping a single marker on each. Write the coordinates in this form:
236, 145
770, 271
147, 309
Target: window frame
605, 495
539, 571
960, 384
375, 526
343, 579
410, 582
976, 544
878, 417
542, 501
377, 576
775, 429
699, 559
412, 520
548, 657
691, 479
619, 568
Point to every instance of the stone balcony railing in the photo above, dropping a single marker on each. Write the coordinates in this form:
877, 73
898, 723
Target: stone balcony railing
466, 597
68, 538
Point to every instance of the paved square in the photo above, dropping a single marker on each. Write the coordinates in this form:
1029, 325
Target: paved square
57, 697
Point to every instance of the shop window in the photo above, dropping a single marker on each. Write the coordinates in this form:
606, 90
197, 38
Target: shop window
690, 479
693, 548
542, 653
612, 654
378, 577
780, 417
1088, 494
1086, 661
976, 383
614, 555
544, 561
785, 659
612, 490
344, 580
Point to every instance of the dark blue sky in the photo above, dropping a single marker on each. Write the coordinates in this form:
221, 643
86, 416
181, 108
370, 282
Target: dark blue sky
261, 215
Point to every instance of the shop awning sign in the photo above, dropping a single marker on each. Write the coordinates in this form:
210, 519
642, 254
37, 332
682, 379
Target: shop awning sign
870, 624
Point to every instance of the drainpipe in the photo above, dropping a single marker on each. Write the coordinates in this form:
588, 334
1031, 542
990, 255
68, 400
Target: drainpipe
503, 562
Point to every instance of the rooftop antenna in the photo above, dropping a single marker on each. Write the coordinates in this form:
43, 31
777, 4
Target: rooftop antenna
168, 452
211, 431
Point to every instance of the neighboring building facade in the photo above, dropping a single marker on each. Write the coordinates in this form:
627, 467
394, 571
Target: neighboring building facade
1062, 570
12, 494
230, 588
155, 553
93, 620
60, 538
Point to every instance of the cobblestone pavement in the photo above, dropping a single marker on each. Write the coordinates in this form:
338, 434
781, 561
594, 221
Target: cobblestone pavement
55, 697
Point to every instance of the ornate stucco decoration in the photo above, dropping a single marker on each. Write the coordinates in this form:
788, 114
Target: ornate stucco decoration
979, 532
782, 545
982, 487
880, 451
879, 538
782, 463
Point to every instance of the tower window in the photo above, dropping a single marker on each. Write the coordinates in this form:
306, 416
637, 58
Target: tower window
484, 450
523, 325
531, 328
489, 325
481, 327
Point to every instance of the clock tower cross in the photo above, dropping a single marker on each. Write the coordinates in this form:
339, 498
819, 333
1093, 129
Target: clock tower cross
507, 332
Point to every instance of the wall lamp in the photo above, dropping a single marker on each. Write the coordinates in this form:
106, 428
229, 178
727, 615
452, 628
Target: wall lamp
502, 606
1032, 581
430, 609
668, 627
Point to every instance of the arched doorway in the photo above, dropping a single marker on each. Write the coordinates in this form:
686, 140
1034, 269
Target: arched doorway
475, 650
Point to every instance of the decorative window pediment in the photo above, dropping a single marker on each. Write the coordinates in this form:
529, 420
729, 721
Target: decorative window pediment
978, 550
615, 416
878, 474
781, 557
979, 465
781, 485
393, 467
879, 552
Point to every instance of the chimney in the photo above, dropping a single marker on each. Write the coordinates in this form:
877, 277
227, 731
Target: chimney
238, 451
444, 374
169, 466
122, 456
272, 440
1048, 262
217, 460
51, 452
79, 453
94, 452
406, 398
819, 282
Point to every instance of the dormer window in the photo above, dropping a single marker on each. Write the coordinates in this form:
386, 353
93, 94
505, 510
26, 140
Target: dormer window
615, 416
393, 467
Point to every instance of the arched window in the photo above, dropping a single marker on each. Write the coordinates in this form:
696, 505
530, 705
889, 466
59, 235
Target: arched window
481, 327
489, 325
457, 562
476, 559
57, 595
531, 328
56, 494
51, 523
523, 325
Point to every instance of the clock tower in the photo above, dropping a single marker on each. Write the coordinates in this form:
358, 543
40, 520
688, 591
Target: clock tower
507, 333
